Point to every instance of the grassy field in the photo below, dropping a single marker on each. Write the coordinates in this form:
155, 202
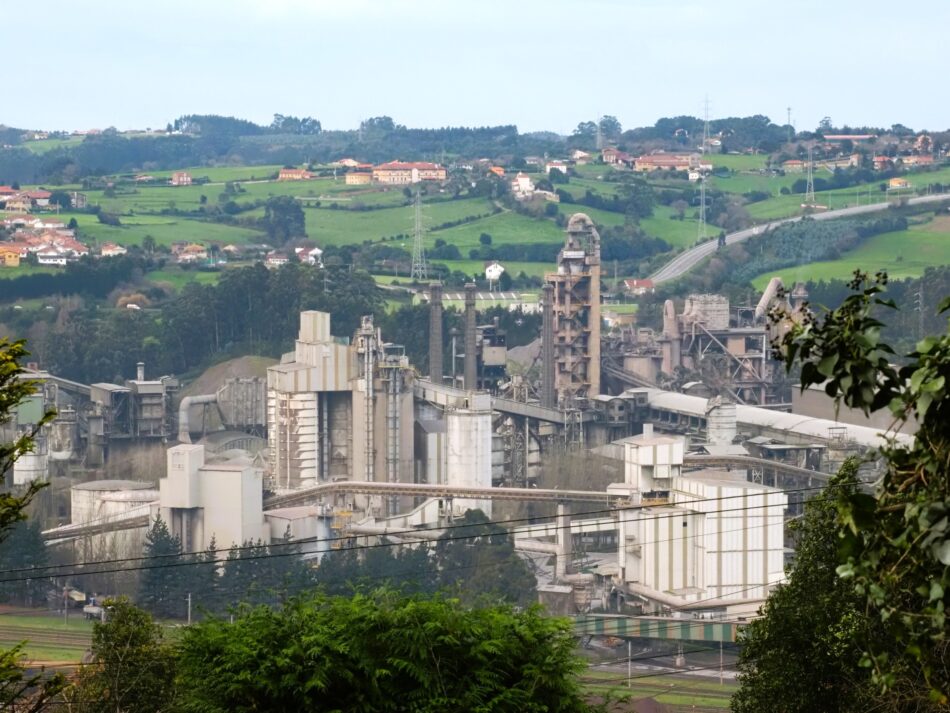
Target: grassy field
165, 230
178, 278
906, 253
504, 228
342, 227
48, 638
737, 162
680, 693
477, 267
8, 273
47, 145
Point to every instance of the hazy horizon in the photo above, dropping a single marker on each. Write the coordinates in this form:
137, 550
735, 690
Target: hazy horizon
425, 63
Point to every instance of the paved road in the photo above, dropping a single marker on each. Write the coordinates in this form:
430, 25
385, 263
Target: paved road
684, 262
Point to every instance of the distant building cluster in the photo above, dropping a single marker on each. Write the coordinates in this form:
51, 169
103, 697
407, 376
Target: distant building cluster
46, 238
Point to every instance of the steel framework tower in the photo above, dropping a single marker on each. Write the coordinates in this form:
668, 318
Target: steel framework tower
577, 314
419, 269
810, 185
701, 235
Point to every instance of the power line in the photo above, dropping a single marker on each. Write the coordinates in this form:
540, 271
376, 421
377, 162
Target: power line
295, 543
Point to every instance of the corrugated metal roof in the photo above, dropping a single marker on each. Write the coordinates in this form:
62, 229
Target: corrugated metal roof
777, 420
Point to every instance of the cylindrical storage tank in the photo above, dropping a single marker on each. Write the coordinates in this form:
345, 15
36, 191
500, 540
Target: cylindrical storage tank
721, 424
89, 500
29, 467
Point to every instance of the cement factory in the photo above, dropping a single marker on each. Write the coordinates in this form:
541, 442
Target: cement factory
690, 454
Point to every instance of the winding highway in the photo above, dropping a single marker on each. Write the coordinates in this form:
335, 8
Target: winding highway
686, 261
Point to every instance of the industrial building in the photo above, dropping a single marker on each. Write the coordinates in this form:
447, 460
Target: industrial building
344, 439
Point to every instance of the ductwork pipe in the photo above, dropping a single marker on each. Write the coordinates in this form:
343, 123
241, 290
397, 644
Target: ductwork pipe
184, 433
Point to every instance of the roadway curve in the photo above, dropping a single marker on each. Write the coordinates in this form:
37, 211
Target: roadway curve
686, 261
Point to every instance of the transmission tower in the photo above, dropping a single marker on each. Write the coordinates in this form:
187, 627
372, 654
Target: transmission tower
419, 270
810, 185
789, 123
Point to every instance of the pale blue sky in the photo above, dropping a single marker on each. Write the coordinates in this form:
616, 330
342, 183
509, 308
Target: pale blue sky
541, 64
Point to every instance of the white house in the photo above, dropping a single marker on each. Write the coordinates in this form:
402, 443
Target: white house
311, 256
552, 165
522, 186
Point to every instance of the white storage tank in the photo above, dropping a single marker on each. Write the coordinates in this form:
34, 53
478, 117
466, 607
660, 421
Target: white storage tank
109, 499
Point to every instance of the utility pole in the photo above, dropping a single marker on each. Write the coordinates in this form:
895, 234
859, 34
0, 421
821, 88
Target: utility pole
629, 663
789, 122
189, 608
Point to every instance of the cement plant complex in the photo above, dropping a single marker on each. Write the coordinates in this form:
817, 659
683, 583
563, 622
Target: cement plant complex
630, 498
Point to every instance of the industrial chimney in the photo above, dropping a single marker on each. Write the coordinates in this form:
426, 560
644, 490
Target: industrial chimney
470, 373
548, 396
435, 333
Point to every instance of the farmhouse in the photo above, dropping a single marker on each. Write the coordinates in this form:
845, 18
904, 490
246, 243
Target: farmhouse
639, 287
346, 163
498, 171
180, 178
9, 256
882, 163
401, 173
793, 165
898, 183
358, 178
193, 253
666, 162
914, 160
276, 258
111, 250
294, 174
522, 187
555, 165
615, 157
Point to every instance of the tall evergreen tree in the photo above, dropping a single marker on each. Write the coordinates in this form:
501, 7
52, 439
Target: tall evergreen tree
24, 547
161, 589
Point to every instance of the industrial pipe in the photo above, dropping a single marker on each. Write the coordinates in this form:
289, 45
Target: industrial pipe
436, 350
770, 291
470, 371
184, 433
548, 372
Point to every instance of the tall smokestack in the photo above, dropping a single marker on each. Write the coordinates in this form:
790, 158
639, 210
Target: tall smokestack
140, 371
435, 333
469, 372
548, 396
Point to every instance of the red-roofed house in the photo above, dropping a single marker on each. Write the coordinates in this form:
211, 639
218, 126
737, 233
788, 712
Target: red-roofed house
882, 162
294, 174
638, 287
111, 250
180, 178
39, 197
498, 171
8, 191
793, 165
555, 165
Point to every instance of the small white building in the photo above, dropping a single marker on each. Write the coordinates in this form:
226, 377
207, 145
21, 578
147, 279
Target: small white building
522, 186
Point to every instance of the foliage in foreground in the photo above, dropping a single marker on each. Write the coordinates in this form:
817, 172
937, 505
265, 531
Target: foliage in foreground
19, 689
802, 655
379, 652
895, 544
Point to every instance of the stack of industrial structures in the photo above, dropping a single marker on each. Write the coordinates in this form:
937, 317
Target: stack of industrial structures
345, 440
